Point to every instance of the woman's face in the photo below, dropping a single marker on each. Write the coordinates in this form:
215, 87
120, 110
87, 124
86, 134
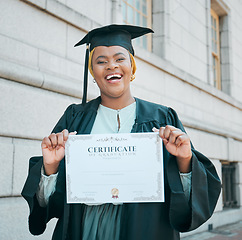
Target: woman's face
112, 71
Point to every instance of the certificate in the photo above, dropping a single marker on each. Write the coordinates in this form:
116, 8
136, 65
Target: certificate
114, 168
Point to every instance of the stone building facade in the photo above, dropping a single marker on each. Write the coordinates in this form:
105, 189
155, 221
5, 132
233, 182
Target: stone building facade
41, 74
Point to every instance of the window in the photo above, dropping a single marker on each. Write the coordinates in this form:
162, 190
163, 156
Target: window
221, 46
215, 49
138, 12
229, 184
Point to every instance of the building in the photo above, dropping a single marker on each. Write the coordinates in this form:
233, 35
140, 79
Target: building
191, 63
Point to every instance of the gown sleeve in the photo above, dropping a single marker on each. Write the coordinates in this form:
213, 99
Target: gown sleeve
205, 188
39, 216
46, 188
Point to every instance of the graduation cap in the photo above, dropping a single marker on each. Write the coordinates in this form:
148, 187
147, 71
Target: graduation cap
111, 35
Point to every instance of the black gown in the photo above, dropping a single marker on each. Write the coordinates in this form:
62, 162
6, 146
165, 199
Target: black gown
141, 221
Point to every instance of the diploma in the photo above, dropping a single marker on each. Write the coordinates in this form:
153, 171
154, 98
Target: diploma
114, 168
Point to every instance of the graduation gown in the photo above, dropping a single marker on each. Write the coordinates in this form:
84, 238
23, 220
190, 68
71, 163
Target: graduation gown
141, 221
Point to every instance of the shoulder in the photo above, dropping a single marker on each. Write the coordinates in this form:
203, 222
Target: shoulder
92, 105
150, 106
153, 112
148, 111
76, 113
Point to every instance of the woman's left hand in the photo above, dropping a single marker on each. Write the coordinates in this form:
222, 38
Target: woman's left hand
178, 144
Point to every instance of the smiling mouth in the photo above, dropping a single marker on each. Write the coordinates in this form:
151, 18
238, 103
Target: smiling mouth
116, 77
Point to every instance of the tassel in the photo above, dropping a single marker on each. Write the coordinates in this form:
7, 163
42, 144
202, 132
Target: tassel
84, 98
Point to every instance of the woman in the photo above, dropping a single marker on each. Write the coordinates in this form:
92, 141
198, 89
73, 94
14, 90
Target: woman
192, 186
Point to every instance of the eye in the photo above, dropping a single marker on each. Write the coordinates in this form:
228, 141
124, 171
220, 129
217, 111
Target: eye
120, 59
101, 62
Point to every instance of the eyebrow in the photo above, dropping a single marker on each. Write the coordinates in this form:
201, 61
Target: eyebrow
115, 55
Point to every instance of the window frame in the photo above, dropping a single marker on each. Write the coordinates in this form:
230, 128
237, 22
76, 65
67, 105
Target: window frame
216, 55
148, 17
229, 184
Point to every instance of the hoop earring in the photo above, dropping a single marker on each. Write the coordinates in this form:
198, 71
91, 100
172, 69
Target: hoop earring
94, 80
132, 78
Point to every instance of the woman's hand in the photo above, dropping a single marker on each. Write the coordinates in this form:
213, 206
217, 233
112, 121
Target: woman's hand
53, 150
178, 144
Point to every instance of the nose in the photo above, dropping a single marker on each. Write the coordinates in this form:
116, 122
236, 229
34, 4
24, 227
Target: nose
112, 65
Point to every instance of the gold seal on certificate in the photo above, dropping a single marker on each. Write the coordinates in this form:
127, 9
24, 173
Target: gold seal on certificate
100, 164
115, 193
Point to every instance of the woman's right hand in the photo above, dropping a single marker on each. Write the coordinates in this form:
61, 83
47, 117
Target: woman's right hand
53, 150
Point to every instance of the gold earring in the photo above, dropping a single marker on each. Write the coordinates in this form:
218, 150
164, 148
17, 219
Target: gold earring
132, 78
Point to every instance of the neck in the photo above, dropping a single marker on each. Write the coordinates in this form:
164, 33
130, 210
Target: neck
117, 103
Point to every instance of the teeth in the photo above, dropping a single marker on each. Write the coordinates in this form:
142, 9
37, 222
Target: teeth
113, 76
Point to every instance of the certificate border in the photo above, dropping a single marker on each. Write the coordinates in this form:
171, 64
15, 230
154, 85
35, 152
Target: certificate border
159, 151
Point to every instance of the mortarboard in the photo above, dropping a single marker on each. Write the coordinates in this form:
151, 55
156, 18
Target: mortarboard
111, 35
